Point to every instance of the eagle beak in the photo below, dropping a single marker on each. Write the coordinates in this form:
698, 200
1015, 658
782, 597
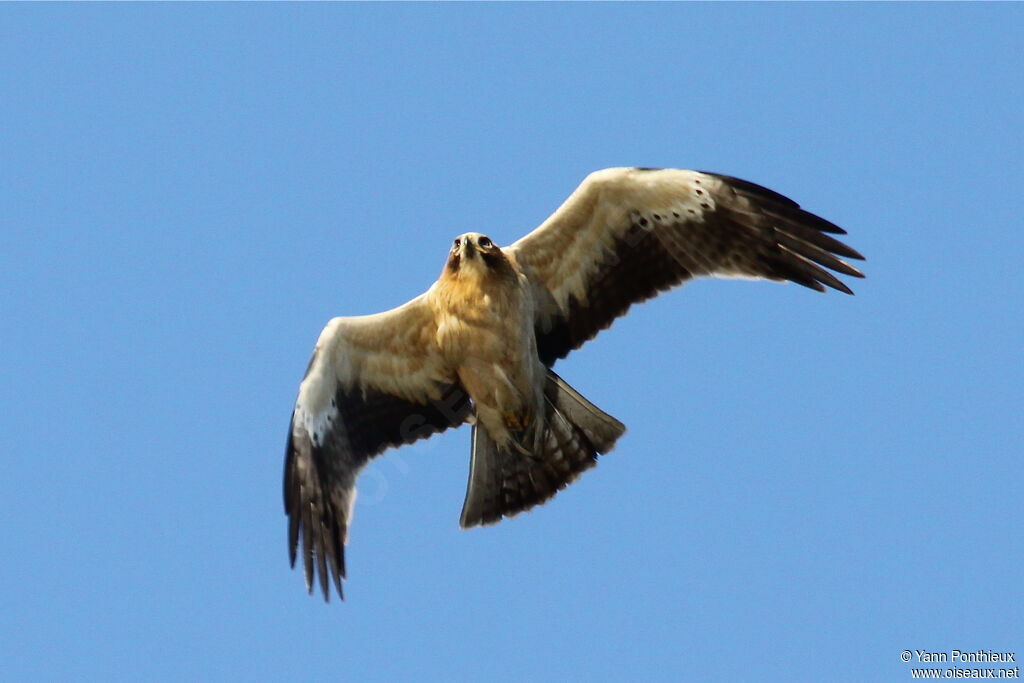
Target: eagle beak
468, 248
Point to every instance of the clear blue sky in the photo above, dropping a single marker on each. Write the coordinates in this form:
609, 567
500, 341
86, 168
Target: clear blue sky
810, 483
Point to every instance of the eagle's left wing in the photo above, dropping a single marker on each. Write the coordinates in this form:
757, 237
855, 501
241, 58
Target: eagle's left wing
627, 234
374, 381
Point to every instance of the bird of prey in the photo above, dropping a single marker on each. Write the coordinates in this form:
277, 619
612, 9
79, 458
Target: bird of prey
478, 346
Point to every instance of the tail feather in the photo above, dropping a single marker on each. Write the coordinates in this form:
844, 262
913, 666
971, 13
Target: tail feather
504, 481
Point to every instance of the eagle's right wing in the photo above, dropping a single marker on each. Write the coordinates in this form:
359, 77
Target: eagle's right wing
627, 234
374, 381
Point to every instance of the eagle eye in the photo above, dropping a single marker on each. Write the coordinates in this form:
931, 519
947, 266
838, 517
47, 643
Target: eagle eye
456, 243
485, 243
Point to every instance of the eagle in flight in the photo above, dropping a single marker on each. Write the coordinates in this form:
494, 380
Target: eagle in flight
478, 346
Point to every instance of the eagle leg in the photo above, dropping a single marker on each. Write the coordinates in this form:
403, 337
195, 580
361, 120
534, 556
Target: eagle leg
516, 423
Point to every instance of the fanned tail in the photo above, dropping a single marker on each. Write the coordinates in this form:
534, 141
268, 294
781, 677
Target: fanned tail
504, 481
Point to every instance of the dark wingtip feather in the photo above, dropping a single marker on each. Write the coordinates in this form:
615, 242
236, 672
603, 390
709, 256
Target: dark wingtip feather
290, 496
293, 537
802, 271
836, 284
820, 223
289, 479
321, 560
782, 207
804, 232
307, 546
810, 251
808, 283
337, 584
845, 269
853, 253
803, 238
761, 192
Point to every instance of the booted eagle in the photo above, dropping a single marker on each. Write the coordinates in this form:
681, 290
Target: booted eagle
478, 346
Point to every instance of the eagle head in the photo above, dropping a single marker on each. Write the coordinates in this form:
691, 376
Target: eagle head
476, 255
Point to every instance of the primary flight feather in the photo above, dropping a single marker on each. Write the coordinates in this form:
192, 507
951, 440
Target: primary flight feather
479, 344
